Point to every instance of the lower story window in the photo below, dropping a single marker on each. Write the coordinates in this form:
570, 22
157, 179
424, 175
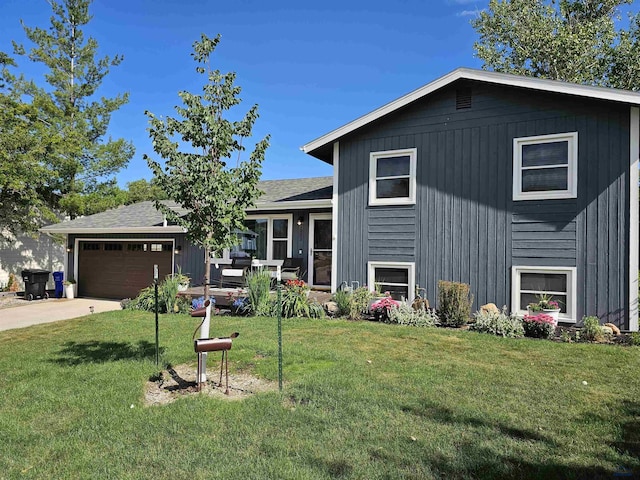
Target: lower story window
530, 283
264, 238
397, 278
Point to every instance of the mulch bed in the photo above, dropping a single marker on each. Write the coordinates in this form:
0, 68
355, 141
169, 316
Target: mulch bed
180, 381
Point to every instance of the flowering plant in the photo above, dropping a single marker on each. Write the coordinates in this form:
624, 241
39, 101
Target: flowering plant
296, 283
545, 302
538, 326
382, 307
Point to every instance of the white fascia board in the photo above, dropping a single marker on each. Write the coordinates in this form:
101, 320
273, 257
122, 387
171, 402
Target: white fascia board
152, 230
294, 205
634, 216
544, 85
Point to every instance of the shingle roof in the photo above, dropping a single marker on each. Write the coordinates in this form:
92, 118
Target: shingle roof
144, 217
297, 189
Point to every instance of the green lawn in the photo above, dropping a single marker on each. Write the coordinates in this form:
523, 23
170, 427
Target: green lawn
432, 403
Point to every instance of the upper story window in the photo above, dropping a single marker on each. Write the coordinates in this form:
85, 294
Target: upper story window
545, 167
392, 177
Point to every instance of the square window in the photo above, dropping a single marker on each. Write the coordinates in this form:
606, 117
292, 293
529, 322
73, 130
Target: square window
545, 167
396, 278
392, 177
529, 283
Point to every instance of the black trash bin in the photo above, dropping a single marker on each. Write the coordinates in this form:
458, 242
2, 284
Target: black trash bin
35, 283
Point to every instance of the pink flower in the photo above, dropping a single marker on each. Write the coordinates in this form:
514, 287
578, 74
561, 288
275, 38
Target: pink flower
386, 303
540, 318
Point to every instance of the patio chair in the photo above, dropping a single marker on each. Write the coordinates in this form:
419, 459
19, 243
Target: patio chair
234, 277
290, 269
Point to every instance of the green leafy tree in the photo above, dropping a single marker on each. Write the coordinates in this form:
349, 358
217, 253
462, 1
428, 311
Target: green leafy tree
25, 193
571, 40
215, 194
70, 107
142, 190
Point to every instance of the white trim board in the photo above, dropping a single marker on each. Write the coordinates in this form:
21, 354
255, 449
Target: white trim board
293, 205
335, 216
115, 230
539, 84
634, 216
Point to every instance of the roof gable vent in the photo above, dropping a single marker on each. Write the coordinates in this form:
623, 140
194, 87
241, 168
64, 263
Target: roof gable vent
463, 98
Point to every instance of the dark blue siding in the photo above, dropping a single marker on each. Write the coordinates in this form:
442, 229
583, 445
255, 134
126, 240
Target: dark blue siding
465, 225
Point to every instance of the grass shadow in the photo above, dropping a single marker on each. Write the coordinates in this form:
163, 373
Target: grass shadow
446, 415
629, 440
77, 353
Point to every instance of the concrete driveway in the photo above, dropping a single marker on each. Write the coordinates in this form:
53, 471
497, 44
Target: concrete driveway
52, 310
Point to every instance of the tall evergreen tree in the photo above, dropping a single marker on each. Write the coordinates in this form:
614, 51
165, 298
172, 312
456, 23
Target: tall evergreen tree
215, 194
70, 107
572, 40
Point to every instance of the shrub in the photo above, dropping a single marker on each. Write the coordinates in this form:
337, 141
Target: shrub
167, 293
634, 338
168, 301
343, 301
404, 314
360, 299
591, 330
498, 323
258, 287
454, 303
12, 284
538, 326
381, 309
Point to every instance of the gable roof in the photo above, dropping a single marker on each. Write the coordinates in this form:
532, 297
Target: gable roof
143, 217
539, 84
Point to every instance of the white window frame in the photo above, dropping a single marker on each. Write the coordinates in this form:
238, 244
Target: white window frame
410, 266
270, 218
373, 167
572, 167
570, 272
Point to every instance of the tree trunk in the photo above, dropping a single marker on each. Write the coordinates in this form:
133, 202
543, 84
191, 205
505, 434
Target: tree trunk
207, 272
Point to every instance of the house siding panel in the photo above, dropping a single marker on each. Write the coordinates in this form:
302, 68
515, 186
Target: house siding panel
465, 225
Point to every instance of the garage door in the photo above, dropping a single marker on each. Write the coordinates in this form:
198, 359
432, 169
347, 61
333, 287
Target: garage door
120, 269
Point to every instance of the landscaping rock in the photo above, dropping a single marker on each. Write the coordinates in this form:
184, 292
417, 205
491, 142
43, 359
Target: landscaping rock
489, 308
614, 329
331, 308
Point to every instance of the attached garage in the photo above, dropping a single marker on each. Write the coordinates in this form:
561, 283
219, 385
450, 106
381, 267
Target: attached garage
121, 268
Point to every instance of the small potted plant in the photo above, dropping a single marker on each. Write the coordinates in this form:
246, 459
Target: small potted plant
547, 305
69, 288
183, 282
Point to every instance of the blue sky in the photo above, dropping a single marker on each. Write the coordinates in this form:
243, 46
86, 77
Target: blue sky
310, 66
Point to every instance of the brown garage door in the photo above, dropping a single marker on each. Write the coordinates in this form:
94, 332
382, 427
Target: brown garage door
120, 269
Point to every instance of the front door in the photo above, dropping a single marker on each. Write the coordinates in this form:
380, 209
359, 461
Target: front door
320, 250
